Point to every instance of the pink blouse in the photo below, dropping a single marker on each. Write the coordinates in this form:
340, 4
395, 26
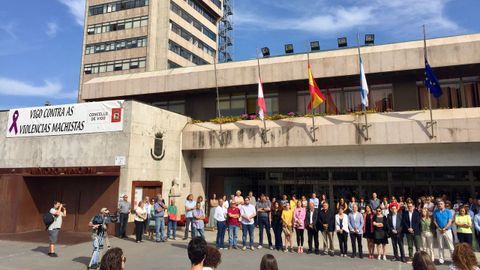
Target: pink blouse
299, 218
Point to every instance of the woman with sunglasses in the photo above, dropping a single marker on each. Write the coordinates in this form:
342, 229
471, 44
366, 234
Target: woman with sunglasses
380, 233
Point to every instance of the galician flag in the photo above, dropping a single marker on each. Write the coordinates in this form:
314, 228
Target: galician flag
316, 96
364, 86
262, 108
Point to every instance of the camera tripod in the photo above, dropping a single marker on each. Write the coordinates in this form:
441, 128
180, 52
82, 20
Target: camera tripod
97, 247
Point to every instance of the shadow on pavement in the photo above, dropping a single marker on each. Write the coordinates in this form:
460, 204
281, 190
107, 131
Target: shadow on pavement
41, 249
64, 238
82, 259
182, 246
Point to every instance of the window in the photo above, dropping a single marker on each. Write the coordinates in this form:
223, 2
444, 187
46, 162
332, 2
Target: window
127, 64
202, 10
117, 25
172, 64
116, 45
116, 6
457, 93
174, 47
381, 97
177, 106
188, 18
191, 38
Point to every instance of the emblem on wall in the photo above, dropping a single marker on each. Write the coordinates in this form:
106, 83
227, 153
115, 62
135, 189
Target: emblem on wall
158, 150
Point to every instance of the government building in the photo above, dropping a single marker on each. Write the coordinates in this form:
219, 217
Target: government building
149, 98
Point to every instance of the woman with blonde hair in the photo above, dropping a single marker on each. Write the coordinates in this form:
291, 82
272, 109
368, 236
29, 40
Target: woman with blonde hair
287, 222
427, 229
463, 258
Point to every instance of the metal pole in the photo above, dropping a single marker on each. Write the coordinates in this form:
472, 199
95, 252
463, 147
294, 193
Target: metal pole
313, 109
431, 123
264, 131
364, 109
219, 114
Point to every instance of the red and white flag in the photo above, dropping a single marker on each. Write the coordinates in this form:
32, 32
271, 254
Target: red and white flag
262, 108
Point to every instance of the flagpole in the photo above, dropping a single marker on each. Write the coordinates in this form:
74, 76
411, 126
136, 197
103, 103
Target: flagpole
219, 114
431, 123
264, 131
364, 109
313, 109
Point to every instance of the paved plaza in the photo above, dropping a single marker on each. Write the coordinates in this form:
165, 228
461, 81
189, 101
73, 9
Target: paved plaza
74, 253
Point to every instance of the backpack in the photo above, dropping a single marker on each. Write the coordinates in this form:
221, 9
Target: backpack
48, 219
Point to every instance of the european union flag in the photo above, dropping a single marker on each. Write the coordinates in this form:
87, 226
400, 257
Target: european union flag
431, 81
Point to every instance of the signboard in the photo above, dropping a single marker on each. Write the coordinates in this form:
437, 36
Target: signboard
81, 118
120, 161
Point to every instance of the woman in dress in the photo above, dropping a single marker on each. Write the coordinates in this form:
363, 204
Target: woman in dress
341, 227
277, 225
287, 222
299, 224
342, 203
140, 217
380, 233
212, 223
368, 230
151, 221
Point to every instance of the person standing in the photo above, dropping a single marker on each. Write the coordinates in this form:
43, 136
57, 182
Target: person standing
238, 198
221, 221
476, 222
159, 216
253, 200
225, 205
247, 215
326, 224
213, 206
233, 214
315, 200
464, 226
380, 233
263, 220
411, 228
355, 225
198, 224
124, 208
293, 202
197, 252
442, 218
276, 215
172, 219
58, 212
148, 208
299, 215
287, 227
341, 227
374, 201
304, 202
140, 217
427, 229
311, 220
189, 207
368, 230
396, 234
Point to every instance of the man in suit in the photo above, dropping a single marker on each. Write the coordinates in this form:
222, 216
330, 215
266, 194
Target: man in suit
395, 232
411, 227
311, 226
326, 224
355, 226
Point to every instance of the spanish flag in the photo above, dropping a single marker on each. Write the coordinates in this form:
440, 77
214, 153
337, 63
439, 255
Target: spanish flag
316, 96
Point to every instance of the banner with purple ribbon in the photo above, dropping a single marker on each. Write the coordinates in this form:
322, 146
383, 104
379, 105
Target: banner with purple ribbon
92, 117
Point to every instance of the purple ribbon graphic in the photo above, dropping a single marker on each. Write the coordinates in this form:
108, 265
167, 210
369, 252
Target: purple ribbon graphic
14, 124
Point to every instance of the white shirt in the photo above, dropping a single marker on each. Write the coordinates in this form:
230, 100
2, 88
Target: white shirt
57, 220
394, 221
226, 205
311, 217
247, 210
220, 213
410, 219
139, 211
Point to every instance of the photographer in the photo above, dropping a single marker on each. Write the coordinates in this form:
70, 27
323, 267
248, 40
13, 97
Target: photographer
58, 212
99, 234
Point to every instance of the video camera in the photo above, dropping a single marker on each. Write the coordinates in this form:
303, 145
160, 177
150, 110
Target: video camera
105, 219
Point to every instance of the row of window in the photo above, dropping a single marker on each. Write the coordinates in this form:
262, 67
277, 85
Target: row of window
172, 64
116, 6
116, 45
177, 106
174, 47
118, 65
191, 38
217, 3
457, 93
191, 20
117, 25
205, 13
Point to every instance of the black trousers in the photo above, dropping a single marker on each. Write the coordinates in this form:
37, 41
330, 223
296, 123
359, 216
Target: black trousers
342, 241
397, 242
139, 230
464, 238
312, 236
123, 225
300, 237
356, 239
263, 223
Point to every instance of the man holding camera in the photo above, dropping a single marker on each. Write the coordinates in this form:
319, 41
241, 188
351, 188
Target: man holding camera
99, 235
58, 212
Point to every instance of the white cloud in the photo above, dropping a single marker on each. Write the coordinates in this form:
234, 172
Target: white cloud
393, 16
76, 8
52, 29
9, 29
50, 89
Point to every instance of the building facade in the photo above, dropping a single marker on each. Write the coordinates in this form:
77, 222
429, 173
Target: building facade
134, 36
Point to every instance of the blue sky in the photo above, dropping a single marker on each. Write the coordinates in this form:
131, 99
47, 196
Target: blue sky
40, 41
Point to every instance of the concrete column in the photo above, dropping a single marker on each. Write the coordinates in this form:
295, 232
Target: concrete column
405, 96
